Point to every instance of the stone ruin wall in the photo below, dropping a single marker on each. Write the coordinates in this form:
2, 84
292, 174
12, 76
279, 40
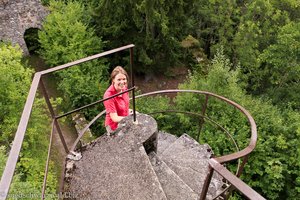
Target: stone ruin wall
16, 16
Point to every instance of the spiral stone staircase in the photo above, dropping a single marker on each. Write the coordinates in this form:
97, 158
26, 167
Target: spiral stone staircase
140, 162
137, 161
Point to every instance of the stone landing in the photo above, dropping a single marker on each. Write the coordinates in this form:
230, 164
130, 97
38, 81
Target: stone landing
117, 166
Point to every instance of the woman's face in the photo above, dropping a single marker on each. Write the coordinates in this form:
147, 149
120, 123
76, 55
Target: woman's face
120, 82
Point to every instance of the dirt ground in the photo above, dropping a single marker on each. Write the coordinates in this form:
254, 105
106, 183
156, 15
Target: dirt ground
150, 83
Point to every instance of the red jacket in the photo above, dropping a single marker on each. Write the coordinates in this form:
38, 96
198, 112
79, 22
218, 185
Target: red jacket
118, 104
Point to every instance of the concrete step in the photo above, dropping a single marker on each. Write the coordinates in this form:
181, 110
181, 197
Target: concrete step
164, 141
189, 160
117, 167
173, 186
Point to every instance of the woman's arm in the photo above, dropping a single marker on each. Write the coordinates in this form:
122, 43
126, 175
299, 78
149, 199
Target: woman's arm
115, 117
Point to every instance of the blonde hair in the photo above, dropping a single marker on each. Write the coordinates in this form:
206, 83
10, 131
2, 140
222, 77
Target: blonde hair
118, 70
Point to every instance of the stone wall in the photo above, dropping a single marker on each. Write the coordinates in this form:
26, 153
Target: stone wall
16, 16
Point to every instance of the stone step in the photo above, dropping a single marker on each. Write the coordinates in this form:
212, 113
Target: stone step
164, 141
189, 160
173, 186
117, 167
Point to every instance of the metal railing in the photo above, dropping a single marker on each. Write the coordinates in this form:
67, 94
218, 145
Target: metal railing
214, 163
241, 154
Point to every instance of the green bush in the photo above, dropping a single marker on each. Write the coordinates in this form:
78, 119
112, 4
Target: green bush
272, 167
15, 82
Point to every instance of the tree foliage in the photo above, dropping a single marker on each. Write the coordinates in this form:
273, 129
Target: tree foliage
15, 83
281, 66
246, 29
65, 37
257, 30
156, 28
2, 159
270, 169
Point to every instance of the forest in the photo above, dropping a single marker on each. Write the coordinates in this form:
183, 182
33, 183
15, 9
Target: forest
247, 51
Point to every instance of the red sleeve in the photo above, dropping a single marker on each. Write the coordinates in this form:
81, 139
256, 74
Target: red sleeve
109, 105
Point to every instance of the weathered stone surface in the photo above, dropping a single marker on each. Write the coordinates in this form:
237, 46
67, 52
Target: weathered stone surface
173, 186
18, 15
117, 166
164, 141
188, 160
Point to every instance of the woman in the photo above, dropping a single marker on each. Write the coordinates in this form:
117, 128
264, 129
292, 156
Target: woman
118, 107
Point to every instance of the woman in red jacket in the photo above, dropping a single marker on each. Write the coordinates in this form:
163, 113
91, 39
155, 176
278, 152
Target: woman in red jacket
118, 107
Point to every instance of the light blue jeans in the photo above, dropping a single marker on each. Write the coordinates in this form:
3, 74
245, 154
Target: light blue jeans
109, 131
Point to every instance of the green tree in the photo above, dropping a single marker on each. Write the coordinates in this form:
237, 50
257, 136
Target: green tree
217, 21
292, 7
65, 37
156, 28
258, 28
281, 66
15, 83
272, 167
2, 159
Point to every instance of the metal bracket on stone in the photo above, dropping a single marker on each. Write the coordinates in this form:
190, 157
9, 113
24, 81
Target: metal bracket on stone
74, 155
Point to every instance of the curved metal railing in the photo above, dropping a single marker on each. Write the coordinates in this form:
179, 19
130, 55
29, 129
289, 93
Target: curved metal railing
240, 154
253, 139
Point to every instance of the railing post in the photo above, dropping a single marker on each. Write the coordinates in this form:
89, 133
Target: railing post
206, 183
201, 121
132, 83
12, 159
52, 113
238, 174
47, 161
245, 159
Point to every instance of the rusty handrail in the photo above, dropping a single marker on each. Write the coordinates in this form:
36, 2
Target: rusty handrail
204, 117
93, 57
48, 159
231, 178
80, 135
234, 180
10, 166
222, 159
253, 138
94, 103
225, 158
17, 144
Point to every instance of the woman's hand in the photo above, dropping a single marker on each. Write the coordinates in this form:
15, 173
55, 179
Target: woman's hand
115, 117
130, 111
